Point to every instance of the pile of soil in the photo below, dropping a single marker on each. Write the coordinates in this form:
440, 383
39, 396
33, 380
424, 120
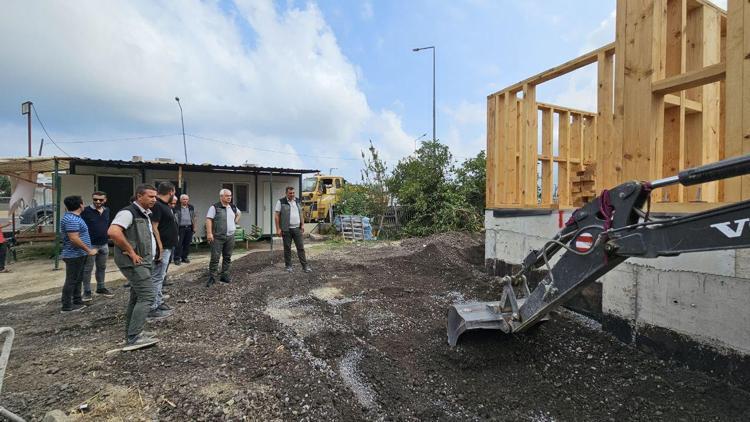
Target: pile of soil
361, 338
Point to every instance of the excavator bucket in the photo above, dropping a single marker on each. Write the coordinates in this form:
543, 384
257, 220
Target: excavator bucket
478, 315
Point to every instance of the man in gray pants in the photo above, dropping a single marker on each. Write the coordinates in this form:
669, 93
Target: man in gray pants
221, 221
290, 226
135, 248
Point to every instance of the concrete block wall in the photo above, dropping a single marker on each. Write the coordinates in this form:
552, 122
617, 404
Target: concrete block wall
699, 300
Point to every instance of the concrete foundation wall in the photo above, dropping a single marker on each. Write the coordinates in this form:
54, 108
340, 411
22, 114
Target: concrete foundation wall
701, 296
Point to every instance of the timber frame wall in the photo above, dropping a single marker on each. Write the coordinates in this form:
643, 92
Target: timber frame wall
673, 93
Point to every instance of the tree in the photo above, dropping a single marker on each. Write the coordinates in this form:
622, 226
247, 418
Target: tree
422, 183
4, 186
370, 197
471, 181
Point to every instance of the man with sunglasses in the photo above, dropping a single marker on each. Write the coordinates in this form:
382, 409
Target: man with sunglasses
96, 217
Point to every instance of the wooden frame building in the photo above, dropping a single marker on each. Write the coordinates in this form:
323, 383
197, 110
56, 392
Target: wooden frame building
670, 95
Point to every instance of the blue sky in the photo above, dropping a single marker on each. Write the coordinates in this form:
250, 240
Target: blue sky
288, 83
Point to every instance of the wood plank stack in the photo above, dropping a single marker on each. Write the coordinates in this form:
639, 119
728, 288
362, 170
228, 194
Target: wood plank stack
582, 189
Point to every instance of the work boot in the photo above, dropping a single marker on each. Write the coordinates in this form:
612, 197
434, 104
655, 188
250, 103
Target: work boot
289, 269
87, 297
76, 307
164, 307
105, 292
225, 279
210, 282
157, 314
139, 342
307, 269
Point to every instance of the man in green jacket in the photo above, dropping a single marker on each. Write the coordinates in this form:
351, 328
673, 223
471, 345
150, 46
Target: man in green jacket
135, 249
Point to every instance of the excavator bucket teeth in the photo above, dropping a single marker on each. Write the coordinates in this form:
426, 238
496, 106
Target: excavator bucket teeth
471, 316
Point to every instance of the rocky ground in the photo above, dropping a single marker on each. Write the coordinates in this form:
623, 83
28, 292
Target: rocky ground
361, 338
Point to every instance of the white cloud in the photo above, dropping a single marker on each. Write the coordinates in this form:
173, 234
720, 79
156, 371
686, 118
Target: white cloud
263, 75
602, 35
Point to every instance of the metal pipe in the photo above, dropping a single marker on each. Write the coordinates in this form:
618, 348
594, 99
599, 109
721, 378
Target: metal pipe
660, 183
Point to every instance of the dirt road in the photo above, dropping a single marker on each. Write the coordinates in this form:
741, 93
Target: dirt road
361, 338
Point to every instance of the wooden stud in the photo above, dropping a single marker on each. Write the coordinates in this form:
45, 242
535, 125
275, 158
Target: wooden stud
511, 188
563, 167
606, 175
529, 150
493, 179
547, 182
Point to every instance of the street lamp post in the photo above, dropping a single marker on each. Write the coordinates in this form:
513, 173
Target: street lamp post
432, 47
184, 144
417, 140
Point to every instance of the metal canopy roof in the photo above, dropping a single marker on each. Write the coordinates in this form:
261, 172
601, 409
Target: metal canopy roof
47, 164
11, 165
189, 166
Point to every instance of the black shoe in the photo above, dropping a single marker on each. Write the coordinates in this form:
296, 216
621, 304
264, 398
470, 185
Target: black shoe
75, 308
225, 279
289, 269
210, 282
307, 269
164, 307
87, 297
105, 292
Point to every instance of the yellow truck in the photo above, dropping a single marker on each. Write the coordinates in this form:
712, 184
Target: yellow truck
320, 194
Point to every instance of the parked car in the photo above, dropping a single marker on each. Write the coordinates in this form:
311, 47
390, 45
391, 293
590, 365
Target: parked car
32, 215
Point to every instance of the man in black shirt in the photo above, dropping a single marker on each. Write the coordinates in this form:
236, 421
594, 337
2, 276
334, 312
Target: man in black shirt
165, 231
96, 217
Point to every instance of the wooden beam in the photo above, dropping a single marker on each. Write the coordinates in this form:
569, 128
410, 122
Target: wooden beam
710, 98
671, 100
562, 69
511, 144
528, 150
563, 168
493, 179
544, 106
692, 79
546, 157
606, 175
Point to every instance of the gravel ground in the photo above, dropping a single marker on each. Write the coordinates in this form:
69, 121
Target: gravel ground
361, 338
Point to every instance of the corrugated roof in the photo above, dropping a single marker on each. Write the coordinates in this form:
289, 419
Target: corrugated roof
11, 165
46, 164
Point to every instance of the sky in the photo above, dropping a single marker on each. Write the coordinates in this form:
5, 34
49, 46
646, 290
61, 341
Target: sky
300, 84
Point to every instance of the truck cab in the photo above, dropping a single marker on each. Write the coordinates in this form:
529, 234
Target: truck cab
320, 193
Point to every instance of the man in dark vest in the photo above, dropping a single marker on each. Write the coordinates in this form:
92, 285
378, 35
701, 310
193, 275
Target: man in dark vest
186, 219
135, 249
221, 221
290, 226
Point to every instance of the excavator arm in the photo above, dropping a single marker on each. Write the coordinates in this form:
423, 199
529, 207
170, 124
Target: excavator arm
601, 235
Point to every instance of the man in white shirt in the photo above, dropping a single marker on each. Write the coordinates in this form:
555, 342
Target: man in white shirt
221, 222
135, 250
290, 226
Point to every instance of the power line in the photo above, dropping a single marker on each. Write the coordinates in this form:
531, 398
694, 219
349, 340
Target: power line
33, 107
269, 150
136, 138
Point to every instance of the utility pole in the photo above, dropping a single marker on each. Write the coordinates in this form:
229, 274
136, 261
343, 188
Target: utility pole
184, 144
433, 85
26, 109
